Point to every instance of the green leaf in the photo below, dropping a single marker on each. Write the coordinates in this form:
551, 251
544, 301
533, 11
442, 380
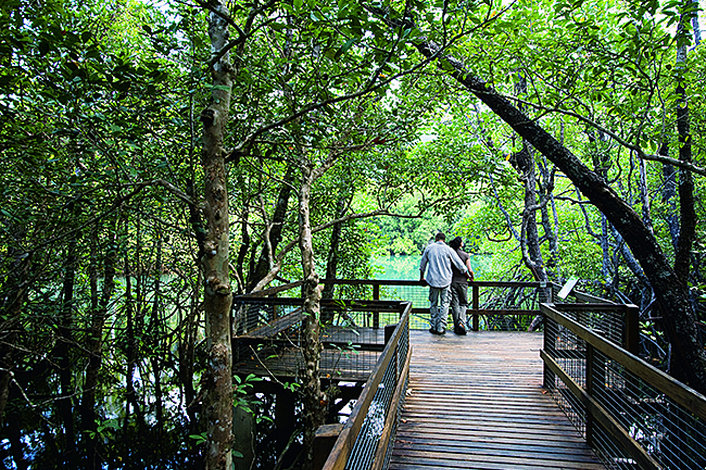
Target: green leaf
344, 48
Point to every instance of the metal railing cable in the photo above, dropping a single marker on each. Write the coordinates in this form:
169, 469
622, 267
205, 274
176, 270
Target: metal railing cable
632, 414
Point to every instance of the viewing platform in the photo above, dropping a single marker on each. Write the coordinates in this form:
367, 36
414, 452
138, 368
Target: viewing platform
574, 395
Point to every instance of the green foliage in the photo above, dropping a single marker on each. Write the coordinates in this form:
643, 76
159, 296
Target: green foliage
99, 152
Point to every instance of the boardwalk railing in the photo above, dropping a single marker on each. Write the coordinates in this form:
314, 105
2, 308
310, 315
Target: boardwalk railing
366, 439
632, 414
267, 335
493, 305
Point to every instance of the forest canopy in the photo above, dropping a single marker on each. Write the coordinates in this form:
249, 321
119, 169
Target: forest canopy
158, 158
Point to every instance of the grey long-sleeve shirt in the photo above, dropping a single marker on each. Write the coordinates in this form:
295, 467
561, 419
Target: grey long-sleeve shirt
436, 261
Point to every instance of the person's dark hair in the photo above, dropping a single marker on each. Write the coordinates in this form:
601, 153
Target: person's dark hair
456, 243
440, 236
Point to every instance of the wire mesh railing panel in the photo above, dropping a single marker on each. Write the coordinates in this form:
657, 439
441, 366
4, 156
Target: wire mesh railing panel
268, 335
249, 316
501, 297
368, 438
369, 434
670, 434
606, 321
515, 302
639, 417
403, 346
358, 319
612, 456
418, 295
569, 352
378, 414
506, 298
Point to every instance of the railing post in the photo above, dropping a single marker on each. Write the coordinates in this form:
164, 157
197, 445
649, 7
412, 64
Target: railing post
376, 315
590, 358
476, 306
631, 333
545, 292
550, 349
324, 440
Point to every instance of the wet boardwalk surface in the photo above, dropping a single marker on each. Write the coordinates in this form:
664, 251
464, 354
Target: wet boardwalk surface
476, 402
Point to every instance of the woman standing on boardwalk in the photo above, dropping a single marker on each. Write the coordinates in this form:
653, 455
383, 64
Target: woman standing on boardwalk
459, 287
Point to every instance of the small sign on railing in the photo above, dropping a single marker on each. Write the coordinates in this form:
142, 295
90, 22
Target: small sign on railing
567, 288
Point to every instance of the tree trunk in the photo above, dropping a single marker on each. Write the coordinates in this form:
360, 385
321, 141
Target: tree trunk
13, 293
64, 359
269, 248
332, 261
155, 335
546, 202
669, 195
687, 231
672, 296
314, 404
645, 196
213, 254
133, 324
94, 348
523, 161
187, 345
529, 235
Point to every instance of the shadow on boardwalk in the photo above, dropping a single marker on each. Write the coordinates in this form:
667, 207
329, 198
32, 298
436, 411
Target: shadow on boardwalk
476, 401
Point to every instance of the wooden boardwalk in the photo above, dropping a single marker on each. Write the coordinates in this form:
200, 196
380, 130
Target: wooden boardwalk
476, 402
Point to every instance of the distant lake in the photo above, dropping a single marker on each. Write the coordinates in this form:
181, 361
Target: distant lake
406, 267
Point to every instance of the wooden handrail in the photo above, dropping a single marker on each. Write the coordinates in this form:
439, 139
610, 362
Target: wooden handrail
344, 444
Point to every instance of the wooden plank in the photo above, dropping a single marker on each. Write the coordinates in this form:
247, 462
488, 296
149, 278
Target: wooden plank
476, 401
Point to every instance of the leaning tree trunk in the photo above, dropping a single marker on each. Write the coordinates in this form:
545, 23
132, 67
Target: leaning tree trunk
213, 253
671, 294
314, 399
264, 262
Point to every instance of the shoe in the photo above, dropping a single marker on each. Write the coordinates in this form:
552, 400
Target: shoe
436, 332
460, 330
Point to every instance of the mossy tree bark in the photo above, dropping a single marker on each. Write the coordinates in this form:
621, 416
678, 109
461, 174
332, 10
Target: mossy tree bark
217, 390
313, 397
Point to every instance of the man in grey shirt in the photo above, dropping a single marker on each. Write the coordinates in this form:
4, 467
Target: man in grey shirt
437, 260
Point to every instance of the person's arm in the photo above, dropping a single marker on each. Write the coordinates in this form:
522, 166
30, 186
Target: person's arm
470, 270
423, 265
457, 261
